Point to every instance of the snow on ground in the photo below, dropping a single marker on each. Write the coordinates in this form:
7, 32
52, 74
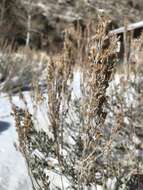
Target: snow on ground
13, 171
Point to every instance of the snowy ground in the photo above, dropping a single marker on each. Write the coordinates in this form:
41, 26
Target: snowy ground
13, 171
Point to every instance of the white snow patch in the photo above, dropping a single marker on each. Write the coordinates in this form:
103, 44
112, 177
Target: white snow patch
76, 84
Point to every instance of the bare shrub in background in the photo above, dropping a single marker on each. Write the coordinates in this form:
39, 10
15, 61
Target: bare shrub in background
17, 69
87, 140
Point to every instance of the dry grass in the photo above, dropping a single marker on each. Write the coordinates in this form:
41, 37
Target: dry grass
95, 122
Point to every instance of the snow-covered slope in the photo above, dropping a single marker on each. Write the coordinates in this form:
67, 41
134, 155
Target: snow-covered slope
13, 171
